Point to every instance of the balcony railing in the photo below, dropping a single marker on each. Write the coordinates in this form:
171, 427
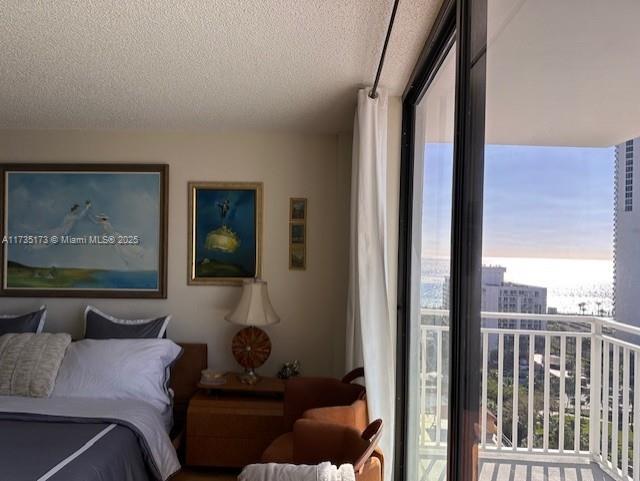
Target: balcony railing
552, 385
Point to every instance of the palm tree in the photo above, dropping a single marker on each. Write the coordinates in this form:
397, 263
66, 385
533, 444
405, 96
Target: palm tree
582, 306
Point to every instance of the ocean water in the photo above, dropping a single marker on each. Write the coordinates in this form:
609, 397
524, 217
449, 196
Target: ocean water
569, 282
123, 280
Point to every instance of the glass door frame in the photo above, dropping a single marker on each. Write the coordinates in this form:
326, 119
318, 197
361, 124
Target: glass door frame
462, 22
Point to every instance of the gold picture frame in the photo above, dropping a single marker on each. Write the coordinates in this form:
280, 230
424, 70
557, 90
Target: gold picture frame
298, 216
225, 232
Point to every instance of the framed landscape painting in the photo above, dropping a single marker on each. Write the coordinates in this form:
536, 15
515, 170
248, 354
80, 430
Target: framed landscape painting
84, 230
225, 232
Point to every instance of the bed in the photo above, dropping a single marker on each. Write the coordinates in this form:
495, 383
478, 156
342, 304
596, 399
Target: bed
76, 439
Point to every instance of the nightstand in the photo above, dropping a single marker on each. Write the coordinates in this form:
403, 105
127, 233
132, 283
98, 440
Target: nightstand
232, 424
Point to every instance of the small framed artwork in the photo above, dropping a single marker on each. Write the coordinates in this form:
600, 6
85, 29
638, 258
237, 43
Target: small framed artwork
225, 232
298, 210
297, 234
298, 258
84, 230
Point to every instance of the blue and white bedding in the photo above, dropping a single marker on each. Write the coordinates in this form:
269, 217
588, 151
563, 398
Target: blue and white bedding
80, 439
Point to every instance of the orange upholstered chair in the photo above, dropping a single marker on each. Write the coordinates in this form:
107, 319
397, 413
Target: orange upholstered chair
326, 420
317, 441
304, 393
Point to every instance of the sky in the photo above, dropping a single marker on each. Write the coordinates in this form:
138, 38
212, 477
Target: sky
545, 202
38, 204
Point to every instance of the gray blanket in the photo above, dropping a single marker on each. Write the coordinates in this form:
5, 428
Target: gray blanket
112, 440
52, 450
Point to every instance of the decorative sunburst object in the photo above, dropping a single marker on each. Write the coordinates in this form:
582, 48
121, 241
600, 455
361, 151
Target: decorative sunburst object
251, 347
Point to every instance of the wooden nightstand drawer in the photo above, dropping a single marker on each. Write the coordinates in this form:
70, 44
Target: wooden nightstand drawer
229, 425
232, 428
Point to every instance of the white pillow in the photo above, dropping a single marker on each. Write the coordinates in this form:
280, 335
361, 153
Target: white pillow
118, 369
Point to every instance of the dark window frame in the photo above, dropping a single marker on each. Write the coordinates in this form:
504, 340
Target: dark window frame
437, 45
462, 21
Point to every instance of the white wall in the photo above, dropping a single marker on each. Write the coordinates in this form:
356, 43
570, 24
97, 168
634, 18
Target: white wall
312, 304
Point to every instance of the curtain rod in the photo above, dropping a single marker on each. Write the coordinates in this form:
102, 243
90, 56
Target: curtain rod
373, 94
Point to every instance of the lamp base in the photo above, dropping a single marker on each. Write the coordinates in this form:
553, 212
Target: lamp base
251, 348
249, 377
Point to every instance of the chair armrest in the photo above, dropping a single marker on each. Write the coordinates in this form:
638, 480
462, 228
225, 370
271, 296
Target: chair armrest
316, 441
377, 453
353, 375
372, 435
371, 471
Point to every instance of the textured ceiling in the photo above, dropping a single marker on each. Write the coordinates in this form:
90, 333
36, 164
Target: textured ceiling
270, 64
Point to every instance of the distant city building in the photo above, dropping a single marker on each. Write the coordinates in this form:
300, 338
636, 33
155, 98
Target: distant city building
501, 296
626, 235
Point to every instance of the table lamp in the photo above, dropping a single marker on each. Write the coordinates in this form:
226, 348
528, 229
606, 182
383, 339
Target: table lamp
251, 346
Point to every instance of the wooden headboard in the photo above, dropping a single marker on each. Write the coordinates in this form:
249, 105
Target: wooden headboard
185, 375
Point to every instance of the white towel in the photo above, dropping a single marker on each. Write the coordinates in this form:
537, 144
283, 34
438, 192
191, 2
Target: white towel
329, 472
297, 472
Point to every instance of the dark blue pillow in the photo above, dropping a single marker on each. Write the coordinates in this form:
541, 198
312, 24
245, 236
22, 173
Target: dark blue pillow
21, 323
98, 325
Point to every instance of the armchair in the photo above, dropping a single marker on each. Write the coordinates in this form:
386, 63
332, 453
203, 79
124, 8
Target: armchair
327, 420
317, 441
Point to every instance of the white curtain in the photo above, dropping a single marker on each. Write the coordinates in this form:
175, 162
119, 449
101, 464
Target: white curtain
370, 327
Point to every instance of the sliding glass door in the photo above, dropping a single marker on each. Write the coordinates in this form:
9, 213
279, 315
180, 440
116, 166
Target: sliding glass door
439, 363
429, 347
519, 311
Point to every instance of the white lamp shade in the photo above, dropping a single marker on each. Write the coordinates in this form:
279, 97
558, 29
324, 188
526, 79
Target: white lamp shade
254, 307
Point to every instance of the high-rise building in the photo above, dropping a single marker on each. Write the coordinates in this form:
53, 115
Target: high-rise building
501, 296
626, 235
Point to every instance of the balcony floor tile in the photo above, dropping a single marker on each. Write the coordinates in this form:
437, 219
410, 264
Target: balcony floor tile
508, 470
504, 470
